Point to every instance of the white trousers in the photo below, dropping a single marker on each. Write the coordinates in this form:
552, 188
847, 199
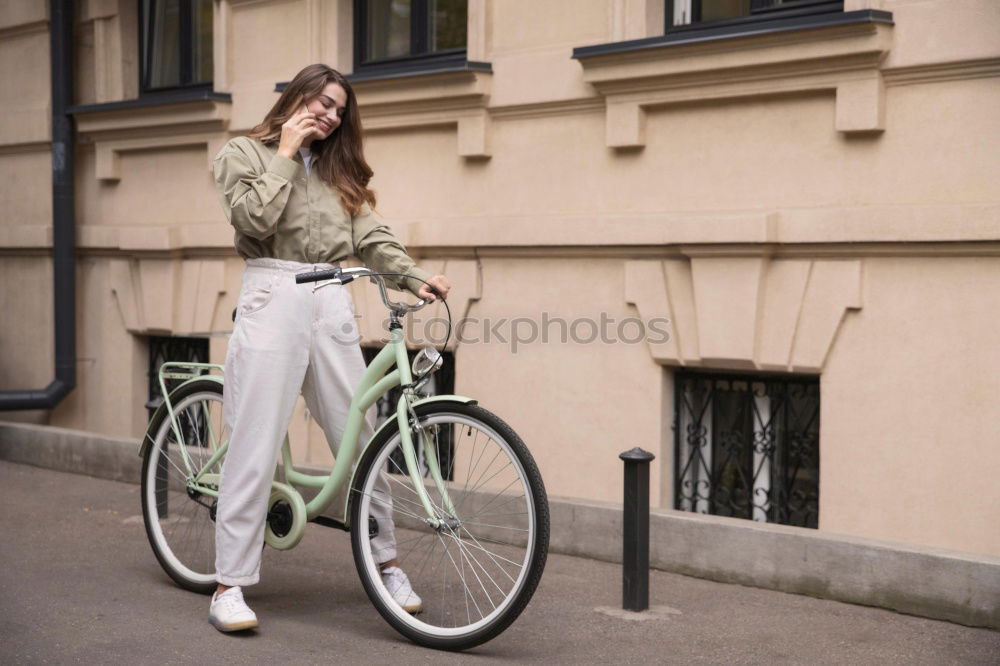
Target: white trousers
287, 339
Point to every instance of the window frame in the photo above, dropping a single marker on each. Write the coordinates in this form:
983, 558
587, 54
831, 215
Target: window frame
758, 14
185, 46
419, 58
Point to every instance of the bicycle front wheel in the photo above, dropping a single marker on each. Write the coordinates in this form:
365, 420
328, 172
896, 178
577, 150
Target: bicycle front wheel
180, 520
476, 570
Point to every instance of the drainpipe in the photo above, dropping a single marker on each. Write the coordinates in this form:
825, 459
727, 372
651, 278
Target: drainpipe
63, 223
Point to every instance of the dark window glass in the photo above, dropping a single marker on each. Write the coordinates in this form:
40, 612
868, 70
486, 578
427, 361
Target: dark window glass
688, 13
203, 41
388, 29
713, 10
388, 32
748, 447
176, 43
449, 24
163, 56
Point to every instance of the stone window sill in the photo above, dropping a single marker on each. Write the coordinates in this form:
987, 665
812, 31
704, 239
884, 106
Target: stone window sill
841, 52
191, 117
152, 100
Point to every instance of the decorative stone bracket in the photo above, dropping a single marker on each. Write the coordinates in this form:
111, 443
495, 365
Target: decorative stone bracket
450, 98
745, 311
108, 153
845, 59
169, 296
115, 131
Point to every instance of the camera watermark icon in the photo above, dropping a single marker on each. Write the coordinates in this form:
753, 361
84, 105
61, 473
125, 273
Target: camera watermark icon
518, 332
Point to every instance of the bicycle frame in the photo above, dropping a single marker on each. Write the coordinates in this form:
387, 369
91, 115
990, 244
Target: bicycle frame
374, 383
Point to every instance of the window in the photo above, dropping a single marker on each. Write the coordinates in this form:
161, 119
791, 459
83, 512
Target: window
165, 349
686, 14
409, 35
440, 383
747, 447
175, 44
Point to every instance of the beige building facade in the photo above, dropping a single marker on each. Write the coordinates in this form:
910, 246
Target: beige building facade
806, 198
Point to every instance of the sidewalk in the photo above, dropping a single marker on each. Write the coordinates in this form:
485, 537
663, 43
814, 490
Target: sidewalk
79, 583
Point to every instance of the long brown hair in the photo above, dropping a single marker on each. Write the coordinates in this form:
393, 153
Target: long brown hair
339, 159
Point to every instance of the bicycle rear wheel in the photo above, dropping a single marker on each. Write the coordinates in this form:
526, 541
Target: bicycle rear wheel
478, 569
180, 522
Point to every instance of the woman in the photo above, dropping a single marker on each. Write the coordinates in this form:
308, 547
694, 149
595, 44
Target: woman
296, 191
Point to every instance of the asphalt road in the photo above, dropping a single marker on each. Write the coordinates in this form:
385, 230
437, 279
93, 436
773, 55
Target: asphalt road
79, 584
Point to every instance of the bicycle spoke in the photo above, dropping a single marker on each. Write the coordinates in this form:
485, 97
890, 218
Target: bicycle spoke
499, 527
179, 470
412, 490
464, 585
391, 505
426, 559
419, 505
465, 596
487, 468
416, 506
472, 562
493, 477
495, 556
468, 475
498, 506
472, 559
483, 508
480, 547
479, 483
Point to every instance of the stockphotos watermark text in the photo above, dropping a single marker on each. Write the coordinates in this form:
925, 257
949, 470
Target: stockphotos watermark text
517, 332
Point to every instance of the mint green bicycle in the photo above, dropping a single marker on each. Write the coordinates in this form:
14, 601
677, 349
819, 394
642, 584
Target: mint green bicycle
468, 503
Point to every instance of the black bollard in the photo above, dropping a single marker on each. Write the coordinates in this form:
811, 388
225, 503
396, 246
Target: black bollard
635, 530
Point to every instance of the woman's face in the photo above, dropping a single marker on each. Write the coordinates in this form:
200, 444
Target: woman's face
329, 108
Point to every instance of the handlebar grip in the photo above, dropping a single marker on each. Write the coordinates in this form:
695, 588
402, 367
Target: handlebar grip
325, 274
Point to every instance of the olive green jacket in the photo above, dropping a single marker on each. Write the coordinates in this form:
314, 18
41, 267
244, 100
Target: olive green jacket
279, 211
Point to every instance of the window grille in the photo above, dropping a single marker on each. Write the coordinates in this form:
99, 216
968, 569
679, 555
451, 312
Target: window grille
747, 447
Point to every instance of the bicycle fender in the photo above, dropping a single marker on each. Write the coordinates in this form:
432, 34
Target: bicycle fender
391, 421
147, 437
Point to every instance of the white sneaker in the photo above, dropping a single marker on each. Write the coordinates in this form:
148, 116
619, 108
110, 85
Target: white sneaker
229, 612
398, 585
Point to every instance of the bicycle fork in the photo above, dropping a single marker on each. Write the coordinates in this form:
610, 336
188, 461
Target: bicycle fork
408, 422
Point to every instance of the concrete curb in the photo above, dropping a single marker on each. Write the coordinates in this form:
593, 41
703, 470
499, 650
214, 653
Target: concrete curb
918, 580
945, 585
73, 451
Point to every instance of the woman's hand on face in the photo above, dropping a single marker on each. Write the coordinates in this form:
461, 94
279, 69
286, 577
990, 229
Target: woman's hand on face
441, 286
294, 131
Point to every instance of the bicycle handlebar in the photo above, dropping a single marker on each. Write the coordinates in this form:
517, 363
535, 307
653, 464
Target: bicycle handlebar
325, 274
345, 275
